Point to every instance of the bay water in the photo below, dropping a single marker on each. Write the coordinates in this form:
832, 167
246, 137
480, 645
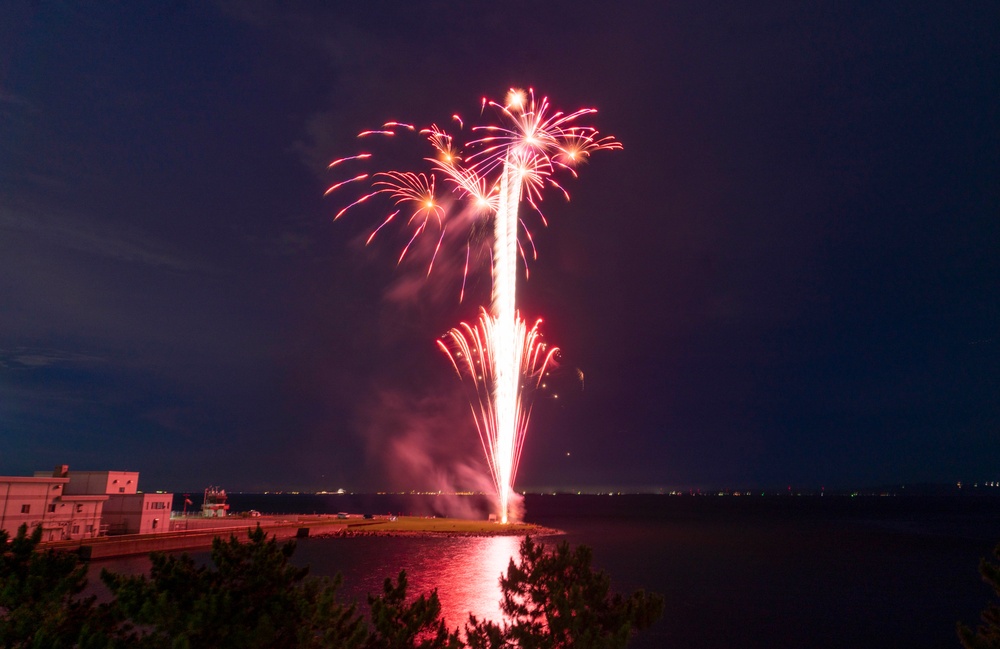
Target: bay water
748, 571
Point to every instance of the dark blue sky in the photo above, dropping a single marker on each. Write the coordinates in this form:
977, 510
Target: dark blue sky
789, 275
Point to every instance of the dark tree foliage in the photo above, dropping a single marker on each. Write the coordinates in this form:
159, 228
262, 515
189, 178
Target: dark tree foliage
987, 636
252, 598
398, 625
557, 600
40, 605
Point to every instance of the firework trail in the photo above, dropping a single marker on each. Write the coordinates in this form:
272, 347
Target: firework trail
501, 166
474, 351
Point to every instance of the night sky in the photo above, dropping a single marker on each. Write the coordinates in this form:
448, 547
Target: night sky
788, 276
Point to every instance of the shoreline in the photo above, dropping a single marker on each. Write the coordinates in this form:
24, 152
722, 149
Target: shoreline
284, 528
516, 529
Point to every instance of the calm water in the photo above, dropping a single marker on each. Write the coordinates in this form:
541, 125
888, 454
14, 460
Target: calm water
736, 572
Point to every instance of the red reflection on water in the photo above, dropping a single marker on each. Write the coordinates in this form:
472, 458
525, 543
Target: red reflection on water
468, 581
464, 570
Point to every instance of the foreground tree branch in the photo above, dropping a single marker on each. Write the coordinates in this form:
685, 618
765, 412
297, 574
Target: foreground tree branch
555, 599
252, 597
987, 635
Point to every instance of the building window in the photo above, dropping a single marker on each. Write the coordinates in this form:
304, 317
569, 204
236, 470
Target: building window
121, 490
52, 507
25, 509
76, 529
90, 529
79, 508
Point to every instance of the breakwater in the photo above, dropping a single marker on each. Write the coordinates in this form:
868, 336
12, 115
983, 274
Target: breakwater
195, 538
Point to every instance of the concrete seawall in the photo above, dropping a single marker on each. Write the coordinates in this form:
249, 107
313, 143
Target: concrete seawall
192, 539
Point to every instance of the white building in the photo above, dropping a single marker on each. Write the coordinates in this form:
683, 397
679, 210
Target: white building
138, 513
127, 510
81, 504
40, 501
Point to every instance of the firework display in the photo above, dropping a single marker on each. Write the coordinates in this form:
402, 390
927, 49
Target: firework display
485, 180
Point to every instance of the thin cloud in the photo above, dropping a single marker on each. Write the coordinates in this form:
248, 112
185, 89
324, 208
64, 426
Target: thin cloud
10, 98
37, 358
87, 236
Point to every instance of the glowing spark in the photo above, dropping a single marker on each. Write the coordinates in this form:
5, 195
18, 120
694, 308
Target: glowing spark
408, 187
342, 183
430, 267
465, 274
357, 202
360, 156
515, 99
384, 223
